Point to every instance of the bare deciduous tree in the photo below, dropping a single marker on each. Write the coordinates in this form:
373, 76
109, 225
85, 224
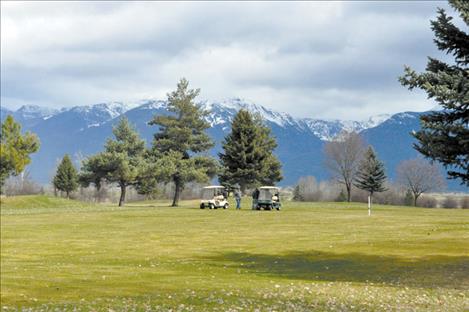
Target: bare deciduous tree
22, 184
419, 176
343, 156
307, 189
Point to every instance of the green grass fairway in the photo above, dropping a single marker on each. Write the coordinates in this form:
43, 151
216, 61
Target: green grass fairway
63, 255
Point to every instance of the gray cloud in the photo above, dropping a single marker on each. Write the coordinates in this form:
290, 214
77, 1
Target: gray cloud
317, 59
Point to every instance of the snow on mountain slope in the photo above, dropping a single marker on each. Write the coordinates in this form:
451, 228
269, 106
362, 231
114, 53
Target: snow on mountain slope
326, 130
223, 112
97, 114
35, 111
219, 113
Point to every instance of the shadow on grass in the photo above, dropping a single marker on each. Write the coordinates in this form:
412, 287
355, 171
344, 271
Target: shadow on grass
427, 272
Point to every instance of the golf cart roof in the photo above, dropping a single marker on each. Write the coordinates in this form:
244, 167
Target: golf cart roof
214, 187
268, 188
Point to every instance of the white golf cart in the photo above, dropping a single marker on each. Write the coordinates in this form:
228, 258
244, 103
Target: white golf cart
214, 197
268, 197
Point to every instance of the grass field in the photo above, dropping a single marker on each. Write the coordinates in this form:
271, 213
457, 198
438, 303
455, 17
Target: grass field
64, 255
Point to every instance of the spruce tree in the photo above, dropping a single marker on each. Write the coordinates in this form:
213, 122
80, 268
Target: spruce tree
247, 158
370, 176
181, 138
297, 196
122, 162
15, 149
444, 135
66, 177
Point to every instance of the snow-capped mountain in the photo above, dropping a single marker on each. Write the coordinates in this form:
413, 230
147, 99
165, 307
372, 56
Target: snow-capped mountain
30, 115
34, 111
222, 112
83, 130
97, 114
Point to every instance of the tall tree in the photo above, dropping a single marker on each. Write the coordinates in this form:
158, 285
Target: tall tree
419, 176
343, 156
122, 162
15, 149
181, 138
444, 135
370, 176
247, 158
66, 177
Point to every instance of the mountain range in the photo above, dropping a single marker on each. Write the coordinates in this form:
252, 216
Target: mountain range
83, 130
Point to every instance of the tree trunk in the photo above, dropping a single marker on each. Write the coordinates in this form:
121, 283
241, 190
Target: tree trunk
122, 198
415, 199
349, 192
68, 194
177, 192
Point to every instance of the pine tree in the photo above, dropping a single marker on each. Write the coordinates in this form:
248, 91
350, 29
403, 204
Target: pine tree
297, 196
444, 135
247, 158
66, 177
122, 162
370, 176
409, 198
181, 137
15, 149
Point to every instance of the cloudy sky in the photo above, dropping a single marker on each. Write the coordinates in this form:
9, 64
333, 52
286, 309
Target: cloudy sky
310, 59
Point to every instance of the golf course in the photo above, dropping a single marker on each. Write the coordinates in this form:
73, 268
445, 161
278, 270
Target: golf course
59, 254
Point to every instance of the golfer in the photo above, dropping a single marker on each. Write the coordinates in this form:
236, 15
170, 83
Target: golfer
237, 196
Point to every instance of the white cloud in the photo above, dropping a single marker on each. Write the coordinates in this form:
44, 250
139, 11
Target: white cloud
317, 59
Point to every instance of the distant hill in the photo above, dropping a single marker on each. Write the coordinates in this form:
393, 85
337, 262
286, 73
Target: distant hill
82, 130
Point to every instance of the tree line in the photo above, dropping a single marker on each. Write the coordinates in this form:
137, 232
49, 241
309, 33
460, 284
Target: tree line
352, 164
178, 153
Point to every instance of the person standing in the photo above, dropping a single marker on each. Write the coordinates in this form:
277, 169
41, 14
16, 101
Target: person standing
255, 198
237, 196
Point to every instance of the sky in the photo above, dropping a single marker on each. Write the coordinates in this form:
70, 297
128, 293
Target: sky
335, 60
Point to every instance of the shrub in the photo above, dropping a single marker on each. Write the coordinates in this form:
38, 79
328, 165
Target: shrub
21, 185
450, 202
427, 202
465, 202
341, 197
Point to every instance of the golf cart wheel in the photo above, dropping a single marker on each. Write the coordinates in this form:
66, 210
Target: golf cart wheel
268, 207
211, 206
225, 206
258, 208
202, 206
278, 208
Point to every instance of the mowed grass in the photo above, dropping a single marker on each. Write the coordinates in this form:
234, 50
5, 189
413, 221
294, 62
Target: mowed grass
58, 254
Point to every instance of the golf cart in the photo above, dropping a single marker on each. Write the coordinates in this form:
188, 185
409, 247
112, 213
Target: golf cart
214, 197
267, 197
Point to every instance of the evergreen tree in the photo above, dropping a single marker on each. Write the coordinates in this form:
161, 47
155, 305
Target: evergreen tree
342, 197
247, 158
409, 198
297, 196
122, 162
66, 177
370, 176
444, 135
181, 137
15, 149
